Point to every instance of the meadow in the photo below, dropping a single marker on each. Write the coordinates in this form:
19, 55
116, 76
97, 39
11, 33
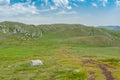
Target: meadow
68, 53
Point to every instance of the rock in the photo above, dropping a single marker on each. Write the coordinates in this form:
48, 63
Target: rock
76, 70
36, 62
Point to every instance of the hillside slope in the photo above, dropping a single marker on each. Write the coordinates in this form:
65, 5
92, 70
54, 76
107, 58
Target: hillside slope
68, 52
63, 33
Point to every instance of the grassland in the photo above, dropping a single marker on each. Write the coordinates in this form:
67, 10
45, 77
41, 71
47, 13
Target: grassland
68, 52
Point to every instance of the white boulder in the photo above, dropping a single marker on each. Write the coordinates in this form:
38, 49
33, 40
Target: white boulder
36, 62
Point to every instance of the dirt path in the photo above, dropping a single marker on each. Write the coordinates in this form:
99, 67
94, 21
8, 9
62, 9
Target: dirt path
107, 73
92, 75
97, 64
102, 66
89, 61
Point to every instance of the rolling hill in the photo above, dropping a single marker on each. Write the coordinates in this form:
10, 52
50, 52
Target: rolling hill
68, 52
63, 33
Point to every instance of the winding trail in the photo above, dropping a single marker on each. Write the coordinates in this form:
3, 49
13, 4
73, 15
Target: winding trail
107, 73
97, 64
102, 66
92, 75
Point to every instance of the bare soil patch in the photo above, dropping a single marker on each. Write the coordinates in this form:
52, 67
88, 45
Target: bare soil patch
102, 66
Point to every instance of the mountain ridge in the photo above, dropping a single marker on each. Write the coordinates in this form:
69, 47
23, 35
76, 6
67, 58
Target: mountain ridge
110, 27
59, 33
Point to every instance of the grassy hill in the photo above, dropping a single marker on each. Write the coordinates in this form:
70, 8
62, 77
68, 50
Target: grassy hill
63, 33
68, 52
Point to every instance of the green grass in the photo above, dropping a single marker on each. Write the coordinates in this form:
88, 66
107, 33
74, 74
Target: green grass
102, 52
61, 48
14, 62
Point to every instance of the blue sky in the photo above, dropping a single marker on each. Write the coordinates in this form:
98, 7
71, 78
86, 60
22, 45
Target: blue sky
88, 12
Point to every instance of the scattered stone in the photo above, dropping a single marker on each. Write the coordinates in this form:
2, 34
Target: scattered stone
77, 70
69, 70
36, 62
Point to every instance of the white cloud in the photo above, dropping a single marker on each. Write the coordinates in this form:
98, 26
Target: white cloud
46, 2
104, 2
82, 0
8, 1
77, 0
53, 7
117, 2
28, 1
62, 3
69, 7
24, 12
94, 5
4, 2
45, 10
21, 8
65, 12
17, 9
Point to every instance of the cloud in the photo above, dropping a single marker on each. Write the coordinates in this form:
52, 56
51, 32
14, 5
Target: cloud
104, 2
69, 7
117, 2
17, 9
45, 10
26, 8
60, 11
94, 5
46, 1
82, 0
4, 2
53, 7
64, 12
62, 3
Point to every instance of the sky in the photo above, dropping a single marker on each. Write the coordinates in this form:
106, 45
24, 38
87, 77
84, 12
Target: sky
87, 12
